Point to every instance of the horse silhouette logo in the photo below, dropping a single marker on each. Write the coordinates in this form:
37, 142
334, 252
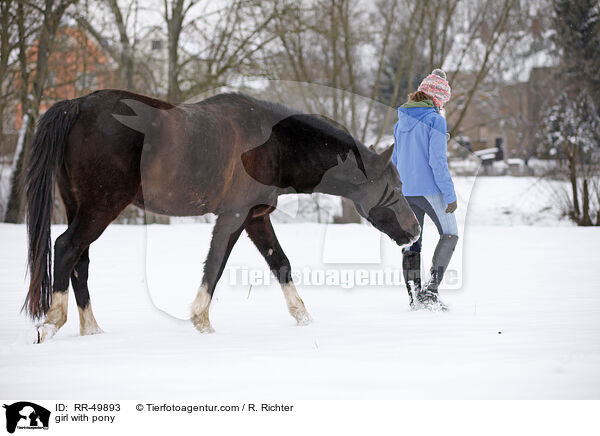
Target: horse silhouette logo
26, 415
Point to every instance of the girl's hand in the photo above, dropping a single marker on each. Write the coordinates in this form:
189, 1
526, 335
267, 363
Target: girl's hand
451, 207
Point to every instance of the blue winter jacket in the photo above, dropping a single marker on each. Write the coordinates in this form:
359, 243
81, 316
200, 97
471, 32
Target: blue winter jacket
420, 153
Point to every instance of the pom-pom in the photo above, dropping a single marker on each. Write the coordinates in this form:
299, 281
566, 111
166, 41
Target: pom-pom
440, 73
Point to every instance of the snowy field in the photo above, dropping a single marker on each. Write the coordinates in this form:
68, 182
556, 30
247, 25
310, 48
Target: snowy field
524, 324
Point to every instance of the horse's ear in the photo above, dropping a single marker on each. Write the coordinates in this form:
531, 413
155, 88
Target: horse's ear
379, 162
385, 157
346, 170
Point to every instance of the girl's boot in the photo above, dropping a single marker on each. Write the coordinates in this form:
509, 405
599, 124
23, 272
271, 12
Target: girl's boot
411, 269
428, 296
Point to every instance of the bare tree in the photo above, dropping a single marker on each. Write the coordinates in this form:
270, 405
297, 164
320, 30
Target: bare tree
466, 37
122, 52
8, 46
573, 137
495, 40
572, 123
320, 43
405, 62
8, 94
231, 42
51, 13
175, 12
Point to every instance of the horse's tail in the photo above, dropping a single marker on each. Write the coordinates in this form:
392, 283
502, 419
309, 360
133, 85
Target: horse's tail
45, 158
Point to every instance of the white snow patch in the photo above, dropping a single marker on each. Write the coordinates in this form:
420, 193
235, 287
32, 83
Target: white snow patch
525, 323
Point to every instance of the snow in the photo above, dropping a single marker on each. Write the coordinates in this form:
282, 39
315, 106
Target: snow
525, 323
512, 201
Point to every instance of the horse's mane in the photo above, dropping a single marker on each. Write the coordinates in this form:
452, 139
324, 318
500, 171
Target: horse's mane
239, 98
319, 122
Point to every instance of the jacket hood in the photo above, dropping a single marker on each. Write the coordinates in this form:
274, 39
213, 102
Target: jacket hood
411, 113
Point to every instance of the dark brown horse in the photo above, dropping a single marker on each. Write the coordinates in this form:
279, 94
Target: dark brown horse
231, 155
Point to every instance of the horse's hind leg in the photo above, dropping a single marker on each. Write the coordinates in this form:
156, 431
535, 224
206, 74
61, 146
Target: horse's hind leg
57, 314
79, 278
261, 232
69, 249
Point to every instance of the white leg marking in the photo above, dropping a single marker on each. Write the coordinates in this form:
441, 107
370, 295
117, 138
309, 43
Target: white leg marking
200, 306
295, 304
55, 318
87, 322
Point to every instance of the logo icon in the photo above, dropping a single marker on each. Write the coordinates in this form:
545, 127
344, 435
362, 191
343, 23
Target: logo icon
26, 415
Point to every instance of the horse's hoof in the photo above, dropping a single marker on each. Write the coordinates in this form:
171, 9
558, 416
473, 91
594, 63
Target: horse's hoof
44, 332
205, 328
202, 323
303, 318
95, 330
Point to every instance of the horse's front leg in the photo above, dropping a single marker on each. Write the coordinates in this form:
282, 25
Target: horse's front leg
261, 232
225, 234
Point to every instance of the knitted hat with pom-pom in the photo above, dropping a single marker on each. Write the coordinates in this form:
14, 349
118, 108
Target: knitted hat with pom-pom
437, 87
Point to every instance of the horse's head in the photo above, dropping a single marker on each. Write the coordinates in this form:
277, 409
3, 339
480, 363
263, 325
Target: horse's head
309, 153
378, 197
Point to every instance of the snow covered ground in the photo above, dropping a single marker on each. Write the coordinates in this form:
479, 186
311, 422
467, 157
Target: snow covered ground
525, 323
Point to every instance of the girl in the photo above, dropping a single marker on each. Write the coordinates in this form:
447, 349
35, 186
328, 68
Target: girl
420, 157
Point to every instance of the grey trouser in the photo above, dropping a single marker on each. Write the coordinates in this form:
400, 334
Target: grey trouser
435, 207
